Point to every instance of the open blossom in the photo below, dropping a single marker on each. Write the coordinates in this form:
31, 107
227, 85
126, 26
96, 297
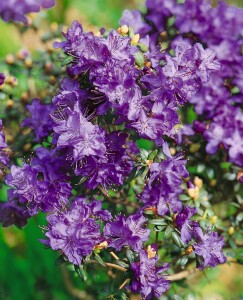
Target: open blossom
187, 227
80, 135
128, 231
148, 279
12, 212
15, 10
40, 120
209, 248
74, 232
41, 185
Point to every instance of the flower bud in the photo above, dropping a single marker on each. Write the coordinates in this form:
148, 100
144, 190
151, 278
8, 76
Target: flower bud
123, 30
27, 147
28, 62
9, 104
213, 182
198, 182
10, 59
101, 246
135, 39
231, 230
189, 250
52, 79
193, 192
213, 220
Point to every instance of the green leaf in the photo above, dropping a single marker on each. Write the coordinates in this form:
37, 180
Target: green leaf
130, 255
80, 271
176, 239
60, 260
153, 154
99, 260
139, 59
168, 231
142, 47
157, 222
184, 197
122, 264
132, 175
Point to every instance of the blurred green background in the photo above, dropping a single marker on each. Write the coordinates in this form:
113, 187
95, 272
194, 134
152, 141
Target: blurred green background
27, 270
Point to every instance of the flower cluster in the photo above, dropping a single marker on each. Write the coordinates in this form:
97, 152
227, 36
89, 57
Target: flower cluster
120, 87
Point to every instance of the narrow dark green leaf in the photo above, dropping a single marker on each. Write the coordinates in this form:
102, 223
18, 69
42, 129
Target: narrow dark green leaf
80, 271
168, 231
60, 260
130, 255
153, 154
99, 260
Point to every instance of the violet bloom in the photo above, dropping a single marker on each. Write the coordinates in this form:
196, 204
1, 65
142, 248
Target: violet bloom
39, 186
168, 173
187, 227
15, 10
128, 231
111, 168
209, 248
40, 120
12, 212
158, 11
88, 50
2, 78
96, 208
80, 135
69, 93
147, 278
134, 19
74, 232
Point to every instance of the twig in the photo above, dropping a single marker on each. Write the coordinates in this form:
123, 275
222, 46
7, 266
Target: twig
181, 275
124, 283
114, 255
109, 265
75, 292
116, 267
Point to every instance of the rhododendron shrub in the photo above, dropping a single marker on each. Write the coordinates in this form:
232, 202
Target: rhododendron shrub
138, 140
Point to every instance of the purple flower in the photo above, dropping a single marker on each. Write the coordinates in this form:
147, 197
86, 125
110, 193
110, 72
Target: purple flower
15, 10
159, 198
40, 185
12, 212
119, 47
187, 227
147, 278
128, 231
134, 19
40, 120
77, 133
209, 248
88, 50
70, 92
168, 173
96, 208
2, 78
111, 168
74, 232
158, 11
